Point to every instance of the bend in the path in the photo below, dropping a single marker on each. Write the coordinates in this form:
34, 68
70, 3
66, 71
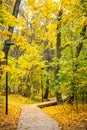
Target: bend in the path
33, 118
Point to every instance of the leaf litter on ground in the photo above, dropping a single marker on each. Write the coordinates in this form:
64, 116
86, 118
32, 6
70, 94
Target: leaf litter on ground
67, 116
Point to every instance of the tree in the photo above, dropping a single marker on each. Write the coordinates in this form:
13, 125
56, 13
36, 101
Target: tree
11, 21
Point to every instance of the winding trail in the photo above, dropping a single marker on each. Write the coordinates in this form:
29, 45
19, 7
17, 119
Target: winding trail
33, 118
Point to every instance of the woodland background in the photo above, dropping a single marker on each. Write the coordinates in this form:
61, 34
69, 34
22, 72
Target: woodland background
50, 50
49, 57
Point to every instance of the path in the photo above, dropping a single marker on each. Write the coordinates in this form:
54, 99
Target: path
33, 118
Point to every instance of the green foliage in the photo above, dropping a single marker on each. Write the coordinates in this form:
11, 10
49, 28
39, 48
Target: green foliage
35, 47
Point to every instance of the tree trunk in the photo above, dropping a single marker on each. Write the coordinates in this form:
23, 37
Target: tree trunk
75, 65
46, 90
79, 46
59, 98
58, 45
58, 52
15, 13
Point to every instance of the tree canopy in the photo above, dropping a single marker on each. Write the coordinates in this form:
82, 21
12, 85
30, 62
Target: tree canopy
50, 47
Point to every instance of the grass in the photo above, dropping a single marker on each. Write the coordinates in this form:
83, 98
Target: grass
22, 101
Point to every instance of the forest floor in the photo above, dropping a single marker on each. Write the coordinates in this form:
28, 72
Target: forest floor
65, 115
10, 121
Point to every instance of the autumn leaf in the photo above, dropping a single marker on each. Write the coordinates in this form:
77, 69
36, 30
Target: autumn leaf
31, 2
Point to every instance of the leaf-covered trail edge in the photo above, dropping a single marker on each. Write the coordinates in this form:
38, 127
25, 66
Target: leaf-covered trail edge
67, 117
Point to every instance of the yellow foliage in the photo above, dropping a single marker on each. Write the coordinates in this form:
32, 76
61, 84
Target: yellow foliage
80, 23
11, 121
19, 40
7, 19
5, 34
31, 2
7, 69
67, 117
1, 55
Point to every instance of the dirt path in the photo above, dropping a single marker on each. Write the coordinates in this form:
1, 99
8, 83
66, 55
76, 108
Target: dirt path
33, 118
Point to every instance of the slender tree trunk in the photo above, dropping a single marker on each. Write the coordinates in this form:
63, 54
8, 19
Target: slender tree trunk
46, 90
15, 13
74, 95
79, 46
48, 57
77, 53
58, 52
58, 44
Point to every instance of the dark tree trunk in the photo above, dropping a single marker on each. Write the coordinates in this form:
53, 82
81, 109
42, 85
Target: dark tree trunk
79, 46
59, 98
48, 55
58, 44
75, 65
15, 13
58, 53
46, 90
27, 91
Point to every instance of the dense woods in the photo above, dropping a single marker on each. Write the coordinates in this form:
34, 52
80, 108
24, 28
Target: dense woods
49, 56
48, 59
